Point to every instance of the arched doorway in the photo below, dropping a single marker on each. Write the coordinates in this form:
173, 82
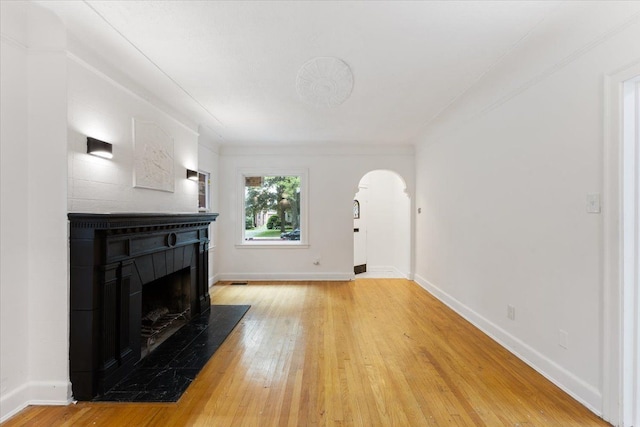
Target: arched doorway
382, 226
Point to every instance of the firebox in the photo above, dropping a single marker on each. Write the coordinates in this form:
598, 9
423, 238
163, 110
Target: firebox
166, 308
133, 279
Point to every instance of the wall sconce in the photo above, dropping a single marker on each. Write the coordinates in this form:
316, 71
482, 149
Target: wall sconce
192, 175
99, 148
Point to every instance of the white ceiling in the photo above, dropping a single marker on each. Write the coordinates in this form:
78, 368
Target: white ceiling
231, 66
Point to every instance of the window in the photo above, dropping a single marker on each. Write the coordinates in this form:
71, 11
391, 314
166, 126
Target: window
273, 209
204, 185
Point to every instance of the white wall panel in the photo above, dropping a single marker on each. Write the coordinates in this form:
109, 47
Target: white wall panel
334, 174
13, 206
504, 218
100, 108
34, 285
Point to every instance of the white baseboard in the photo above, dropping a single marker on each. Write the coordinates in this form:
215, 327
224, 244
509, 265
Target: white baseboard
388, 269
34, 393
583, 392
213, 280
339, 277
379, 268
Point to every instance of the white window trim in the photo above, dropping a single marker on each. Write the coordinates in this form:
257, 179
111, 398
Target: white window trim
303, 243
207, 207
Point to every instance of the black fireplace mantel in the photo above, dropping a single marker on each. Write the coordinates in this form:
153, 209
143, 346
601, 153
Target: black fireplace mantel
111, 257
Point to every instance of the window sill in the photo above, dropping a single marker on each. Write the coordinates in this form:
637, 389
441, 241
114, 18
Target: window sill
272, 245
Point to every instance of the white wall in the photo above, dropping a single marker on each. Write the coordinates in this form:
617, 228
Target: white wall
333, 176
504, 221
52, 99
102, 108
13, 204
34, 286
208, 161
388, 222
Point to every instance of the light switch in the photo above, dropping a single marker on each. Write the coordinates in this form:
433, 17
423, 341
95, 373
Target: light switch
593, 203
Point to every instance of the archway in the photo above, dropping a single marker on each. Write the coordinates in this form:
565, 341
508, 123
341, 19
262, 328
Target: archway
382, 226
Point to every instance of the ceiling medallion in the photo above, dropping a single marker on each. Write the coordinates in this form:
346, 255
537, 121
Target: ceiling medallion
324, 81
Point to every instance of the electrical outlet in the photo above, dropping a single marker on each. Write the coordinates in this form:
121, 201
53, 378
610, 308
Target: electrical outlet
511, 312
563, 339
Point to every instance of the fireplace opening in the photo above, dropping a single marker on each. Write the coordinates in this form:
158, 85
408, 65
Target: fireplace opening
166, 308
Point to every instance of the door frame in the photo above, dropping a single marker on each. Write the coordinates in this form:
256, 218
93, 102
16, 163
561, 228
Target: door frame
411, 238
614, 397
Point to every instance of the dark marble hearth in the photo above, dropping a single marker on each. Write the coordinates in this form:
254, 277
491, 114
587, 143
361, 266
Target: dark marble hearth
167, 372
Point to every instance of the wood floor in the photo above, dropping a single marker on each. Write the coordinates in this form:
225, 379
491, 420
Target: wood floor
373, 352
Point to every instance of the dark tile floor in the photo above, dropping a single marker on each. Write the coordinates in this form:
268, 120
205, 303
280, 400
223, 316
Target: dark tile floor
167, 372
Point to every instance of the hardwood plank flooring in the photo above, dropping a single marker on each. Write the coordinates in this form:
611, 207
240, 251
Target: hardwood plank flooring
372, 352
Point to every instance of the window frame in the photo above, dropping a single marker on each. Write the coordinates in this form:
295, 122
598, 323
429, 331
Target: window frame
304, 203
207, 191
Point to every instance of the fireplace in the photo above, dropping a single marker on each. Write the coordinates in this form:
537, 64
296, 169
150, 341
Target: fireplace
166, 306
134, 278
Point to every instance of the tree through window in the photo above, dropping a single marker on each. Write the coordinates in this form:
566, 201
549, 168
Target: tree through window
272, 207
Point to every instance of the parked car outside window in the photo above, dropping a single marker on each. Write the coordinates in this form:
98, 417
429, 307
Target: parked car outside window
291, 235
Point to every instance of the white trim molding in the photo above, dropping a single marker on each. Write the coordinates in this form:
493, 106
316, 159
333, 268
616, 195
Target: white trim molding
325, 149
34, 393
613, 286
585, 393
213, 280
242, 174
387, 269
286, 277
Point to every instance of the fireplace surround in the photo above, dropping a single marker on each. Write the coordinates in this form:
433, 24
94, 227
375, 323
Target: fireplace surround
112, 257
